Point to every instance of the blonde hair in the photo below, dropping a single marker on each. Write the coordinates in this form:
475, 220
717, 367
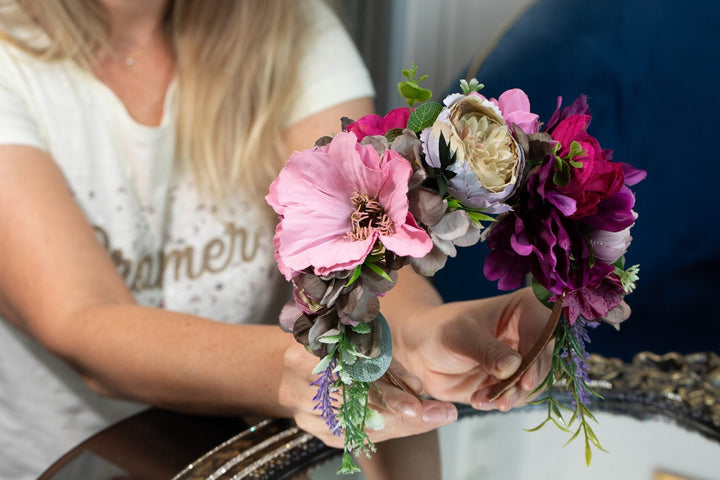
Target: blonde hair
236, 72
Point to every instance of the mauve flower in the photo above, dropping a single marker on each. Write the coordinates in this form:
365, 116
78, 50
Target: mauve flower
376, 125
335, 202
609, 246
488, 159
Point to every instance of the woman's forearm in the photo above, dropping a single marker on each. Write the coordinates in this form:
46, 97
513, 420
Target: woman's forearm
174, 360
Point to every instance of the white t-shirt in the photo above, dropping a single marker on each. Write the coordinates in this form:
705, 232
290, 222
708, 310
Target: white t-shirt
218, 260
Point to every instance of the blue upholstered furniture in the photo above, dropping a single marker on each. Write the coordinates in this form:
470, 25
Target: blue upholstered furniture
651, 69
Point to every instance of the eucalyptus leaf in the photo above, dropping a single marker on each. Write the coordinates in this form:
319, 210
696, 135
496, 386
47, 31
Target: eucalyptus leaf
371, 369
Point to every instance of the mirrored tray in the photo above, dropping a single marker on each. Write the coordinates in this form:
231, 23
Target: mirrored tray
659, 419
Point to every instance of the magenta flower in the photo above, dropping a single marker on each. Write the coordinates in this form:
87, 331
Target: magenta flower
377, 125
335, 202
598, 178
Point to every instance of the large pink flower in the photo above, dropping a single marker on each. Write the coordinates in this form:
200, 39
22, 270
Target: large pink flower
336, 201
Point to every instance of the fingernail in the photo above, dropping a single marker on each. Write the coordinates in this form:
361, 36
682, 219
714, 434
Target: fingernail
436, 415
411, 381
507, 364
406, 409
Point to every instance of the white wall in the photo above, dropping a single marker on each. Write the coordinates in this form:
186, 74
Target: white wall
441, 37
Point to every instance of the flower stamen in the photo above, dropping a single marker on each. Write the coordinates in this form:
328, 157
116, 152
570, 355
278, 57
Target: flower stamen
368, 216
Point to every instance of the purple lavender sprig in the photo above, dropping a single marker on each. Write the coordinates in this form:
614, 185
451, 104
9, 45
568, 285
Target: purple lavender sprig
326, 384
578, 355
570, 368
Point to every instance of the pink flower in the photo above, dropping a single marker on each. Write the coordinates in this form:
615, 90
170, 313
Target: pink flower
515, 107
335, 202
377, 125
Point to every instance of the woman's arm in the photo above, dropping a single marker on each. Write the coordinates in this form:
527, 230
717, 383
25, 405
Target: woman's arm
58, 285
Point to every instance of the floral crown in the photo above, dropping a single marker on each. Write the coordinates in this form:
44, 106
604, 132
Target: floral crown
411, 187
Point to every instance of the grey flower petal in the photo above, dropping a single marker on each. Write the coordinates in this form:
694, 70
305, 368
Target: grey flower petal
289, 315
427, 206
378, 142
430, 263
452, 225
444, 246
322, 326
471, 237
618, 315
360, 305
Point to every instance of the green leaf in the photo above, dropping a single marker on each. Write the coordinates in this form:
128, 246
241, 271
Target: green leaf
322, 364
330, 338
375, 268
542, 293
577, 432
392, 134
361, 328
561, 177
355, 275
370, 369
348, 465
535, 429
424, 116
478, 217
588, 453
593, 438
347, 358
576, 150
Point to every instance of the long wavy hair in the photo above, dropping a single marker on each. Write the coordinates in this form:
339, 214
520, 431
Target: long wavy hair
236, 67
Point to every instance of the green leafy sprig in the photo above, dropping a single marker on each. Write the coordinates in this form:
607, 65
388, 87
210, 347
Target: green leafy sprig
410, 89
354, 414
564, 371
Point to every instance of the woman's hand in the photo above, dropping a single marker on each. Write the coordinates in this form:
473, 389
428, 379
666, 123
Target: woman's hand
405, 414
462, 349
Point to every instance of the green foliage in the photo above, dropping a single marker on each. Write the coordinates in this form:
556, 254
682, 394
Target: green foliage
564, 371
424, 116
411, 90
628, 277
561, 176
471, 86
437, 178
352, 415
475, 214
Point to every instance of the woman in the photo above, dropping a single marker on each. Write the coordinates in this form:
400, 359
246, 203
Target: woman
137, 140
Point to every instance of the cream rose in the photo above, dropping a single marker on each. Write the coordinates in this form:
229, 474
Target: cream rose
488, 160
